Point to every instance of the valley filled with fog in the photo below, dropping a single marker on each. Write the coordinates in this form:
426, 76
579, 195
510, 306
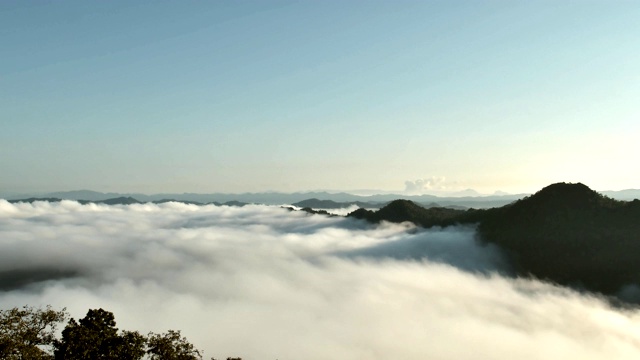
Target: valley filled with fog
265, 282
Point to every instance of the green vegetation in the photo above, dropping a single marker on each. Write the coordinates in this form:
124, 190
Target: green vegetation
405, 210
171, 346
30, 333
571, 235
565, 233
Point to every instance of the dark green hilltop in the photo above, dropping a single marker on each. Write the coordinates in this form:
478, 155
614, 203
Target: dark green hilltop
565, 233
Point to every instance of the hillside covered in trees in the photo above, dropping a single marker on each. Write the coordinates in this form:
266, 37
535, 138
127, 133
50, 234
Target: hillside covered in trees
565, 233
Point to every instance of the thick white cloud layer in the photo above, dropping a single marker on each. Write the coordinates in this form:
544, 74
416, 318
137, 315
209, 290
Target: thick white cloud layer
267, 283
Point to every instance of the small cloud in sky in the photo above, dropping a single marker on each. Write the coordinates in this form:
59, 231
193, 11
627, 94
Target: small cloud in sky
430, 184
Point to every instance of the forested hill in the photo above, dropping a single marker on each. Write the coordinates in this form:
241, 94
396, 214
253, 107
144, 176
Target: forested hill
405, 210
572, 235
566, 233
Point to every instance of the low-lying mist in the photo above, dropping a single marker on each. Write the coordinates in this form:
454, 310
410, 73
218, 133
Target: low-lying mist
264, 282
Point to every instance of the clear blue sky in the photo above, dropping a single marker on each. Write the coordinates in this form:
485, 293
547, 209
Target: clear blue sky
226, 96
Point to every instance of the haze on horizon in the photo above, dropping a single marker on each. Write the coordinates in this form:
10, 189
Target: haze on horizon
300, 95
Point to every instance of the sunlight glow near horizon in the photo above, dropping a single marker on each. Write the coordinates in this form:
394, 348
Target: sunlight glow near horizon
291, 96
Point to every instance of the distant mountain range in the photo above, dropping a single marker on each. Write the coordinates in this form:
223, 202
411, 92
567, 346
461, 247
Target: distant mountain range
276, 198
324, 200
469, 197
124, 201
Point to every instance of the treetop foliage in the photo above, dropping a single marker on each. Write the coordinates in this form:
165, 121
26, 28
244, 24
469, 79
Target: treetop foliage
171, 346
30, 334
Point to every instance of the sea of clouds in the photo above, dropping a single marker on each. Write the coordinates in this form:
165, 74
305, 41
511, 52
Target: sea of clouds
263, 282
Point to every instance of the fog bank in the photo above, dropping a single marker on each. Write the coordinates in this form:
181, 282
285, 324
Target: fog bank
263, 282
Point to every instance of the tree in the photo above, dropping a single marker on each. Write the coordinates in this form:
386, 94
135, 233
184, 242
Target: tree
171, 346
28, 333
96, 337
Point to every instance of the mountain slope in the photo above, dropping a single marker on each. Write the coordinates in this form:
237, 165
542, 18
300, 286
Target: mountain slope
405, 210
570, 234
565, 233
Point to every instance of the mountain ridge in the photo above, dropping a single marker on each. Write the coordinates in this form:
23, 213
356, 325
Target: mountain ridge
565, 233
274, 198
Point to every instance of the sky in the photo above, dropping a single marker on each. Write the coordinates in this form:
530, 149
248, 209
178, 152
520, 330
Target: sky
247, 96
262, 282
